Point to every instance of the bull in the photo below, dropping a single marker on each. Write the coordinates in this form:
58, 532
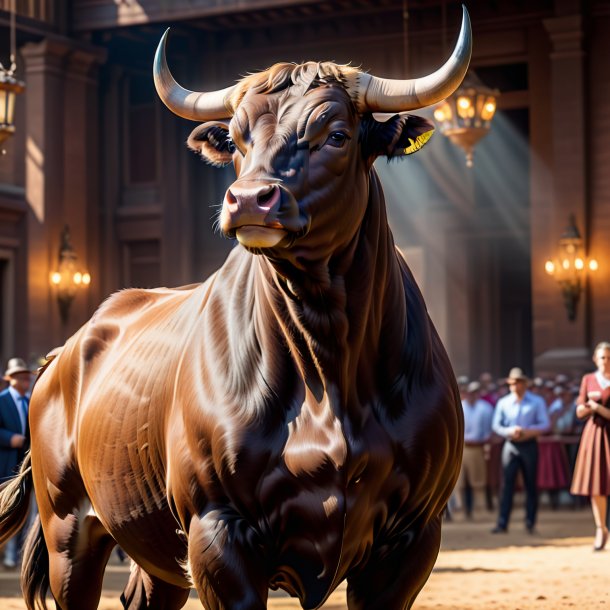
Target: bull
293, 421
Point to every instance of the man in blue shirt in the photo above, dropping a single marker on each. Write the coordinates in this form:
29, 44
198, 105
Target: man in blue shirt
520, 417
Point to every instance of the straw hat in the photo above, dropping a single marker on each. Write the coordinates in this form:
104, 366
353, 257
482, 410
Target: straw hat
516, 374
473, 386
16, 365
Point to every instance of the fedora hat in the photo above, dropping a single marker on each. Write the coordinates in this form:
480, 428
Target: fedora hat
516, 374
16, 365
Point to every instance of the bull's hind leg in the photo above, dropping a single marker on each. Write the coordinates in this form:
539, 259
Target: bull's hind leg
145, 592
392, 580
79, 548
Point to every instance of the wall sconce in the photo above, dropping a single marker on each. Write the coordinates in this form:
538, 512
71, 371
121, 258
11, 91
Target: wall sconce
465, 117
570, 267
67, 279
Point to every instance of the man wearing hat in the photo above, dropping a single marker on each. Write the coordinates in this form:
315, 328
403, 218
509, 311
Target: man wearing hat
478, 414
14, 432
520, 417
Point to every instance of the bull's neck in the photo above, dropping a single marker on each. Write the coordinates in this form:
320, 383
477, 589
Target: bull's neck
337, 313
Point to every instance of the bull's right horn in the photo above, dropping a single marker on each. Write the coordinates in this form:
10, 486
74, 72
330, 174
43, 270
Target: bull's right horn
386, 95
192, 105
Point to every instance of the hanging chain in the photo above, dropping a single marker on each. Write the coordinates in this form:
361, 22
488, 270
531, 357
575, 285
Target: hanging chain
13, 56
405, 36
444, 28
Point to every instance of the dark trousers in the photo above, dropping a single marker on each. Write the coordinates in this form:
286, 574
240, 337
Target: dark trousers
515, 457
467, 500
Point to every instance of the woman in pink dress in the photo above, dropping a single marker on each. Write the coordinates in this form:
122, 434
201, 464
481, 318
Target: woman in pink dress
592, 468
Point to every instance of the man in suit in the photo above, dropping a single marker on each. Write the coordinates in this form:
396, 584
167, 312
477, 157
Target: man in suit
14, 434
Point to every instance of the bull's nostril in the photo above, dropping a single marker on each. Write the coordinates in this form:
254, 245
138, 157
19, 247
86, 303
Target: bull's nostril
231, 197
266, 197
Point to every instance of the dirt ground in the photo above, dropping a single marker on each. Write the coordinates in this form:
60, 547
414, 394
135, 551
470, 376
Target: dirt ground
476, 570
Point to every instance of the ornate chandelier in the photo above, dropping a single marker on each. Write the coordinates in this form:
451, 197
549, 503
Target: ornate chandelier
465, 117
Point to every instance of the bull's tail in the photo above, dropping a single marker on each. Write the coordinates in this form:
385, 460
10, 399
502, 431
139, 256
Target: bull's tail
35, 569
14, 507
15, 501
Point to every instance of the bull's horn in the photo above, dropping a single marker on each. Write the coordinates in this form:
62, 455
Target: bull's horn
192, 105
387, 95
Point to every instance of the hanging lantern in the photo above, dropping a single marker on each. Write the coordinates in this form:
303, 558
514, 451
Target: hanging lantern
465, 117
10, 87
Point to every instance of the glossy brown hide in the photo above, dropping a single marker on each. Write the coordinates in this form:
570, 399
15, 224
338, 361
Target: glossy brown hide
292, 422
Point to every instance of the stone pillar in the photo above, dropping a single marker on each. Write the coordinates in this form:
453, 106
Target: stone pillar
81, 198
61, 177
566, 343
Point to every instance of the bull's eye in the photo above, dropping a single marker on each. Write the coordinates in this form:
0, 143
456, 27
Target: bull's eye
337, 139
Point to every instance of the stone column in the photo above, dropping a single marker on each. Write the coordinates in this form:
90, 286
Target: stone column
61, 175
44, 185
566, 343
81, 199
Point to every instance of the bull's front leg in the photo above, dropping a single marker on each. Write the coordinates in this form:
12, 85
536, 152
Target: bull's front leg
395, 573
227, 565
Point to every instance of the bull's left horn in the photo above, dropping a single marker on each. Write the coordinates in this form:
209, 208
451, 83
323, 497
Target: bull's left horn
387, 95
192, 105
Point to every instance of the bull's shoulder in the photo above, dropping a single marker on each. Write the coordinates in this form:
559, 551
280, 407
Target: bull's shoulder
134, 314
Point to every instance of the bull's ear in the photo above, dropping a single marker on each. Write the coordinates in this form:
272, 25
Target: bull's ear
399, 135
212, 141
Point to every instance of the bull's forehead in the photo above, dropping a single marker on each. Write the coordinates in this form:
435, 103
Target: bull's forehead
293, 112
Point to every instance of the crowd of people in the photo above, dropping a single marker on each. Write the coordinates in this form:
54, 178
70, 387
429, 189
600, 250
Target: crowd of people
547, 434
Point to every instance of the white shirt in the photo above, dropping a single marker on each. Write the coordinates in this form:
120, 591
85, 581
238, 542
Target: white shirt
477, 420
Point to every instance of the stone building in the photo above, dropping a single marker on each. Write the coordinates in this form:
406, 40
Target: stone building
96, 150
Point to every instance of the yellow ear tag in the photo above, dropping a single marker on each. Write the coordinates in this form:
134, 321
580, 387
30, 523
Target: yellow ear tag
416, 144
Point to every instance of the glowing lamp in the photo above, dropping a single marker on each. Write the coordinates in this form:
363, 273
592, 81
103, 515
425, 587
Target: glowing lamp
570, 267
465, 117
67, 279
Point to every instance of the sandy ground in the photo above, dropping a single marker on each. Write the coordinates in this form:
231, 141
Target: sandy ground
555, 568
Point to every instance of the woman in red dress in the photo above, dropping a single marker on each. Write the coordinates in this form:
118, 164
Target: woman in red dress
592, 468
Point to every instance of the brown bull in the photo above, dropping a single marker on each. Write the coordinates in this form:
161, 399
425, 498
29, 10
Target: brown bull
293, 421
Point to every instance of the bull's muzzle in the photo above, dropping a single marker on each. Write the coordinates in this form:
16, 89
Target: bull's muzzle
249, 212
